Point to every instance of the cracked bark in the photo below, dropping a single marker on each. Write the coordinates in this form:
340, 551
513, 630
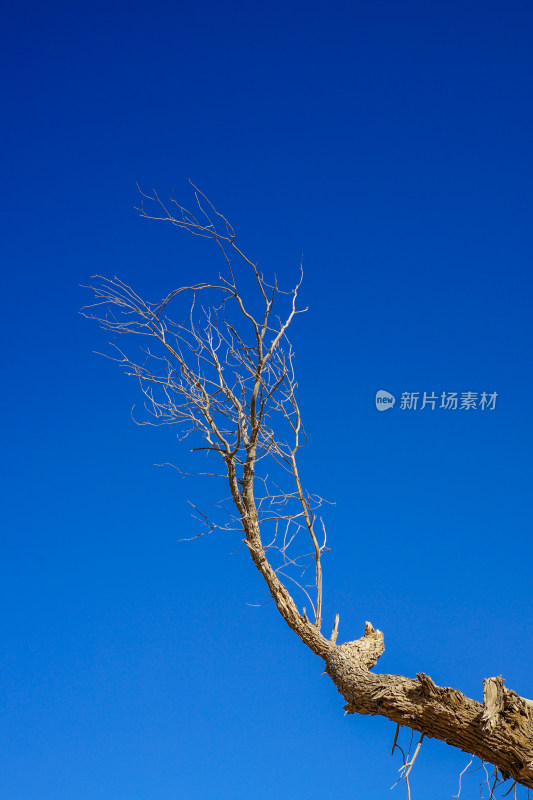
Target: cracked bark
500, 731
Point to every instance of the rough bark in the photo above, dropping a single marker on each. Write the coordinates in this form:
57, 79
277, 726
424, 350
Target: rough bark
500, 731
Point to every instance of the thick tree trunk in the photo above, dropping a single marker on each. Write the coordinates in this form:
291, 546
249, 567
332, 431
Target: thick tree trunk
499, 731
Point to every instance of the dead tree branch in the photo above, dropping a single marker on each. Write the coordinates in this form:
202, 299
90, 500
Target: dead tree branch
221, 371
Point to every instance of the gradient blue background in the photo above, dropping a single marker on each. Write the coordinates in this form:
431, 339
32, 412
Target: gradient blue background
390, 142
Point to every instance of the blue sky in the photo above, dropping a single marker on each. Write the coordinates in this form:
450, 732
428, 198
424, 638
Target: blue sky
390, 143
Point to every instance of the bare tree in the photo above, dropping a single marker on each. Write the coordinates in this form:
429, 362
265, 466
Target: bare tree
224, 375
